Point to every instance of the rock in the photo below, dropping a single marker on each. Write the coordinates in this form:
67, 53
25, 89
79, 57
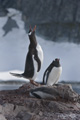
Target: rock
2, 117
10, 24
9, 3
23, 115
3, 12
57, 20
68, 10
59, 91
78, 13
40, 113
18, 105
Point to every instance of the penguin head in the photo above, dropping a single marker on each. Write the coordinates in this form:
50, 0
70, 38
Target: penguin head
57, 62
31, 32
32, 36
57, 59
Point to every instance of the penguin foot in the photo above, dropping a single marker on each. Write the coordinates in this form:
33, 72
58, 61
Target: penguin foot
34, 83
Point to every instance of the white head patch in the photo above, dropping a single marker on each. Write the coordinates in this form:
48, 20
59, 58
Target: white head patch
30, 33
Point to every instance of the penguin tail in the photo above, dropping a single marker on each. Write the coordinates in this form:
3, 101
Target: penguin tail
16, 74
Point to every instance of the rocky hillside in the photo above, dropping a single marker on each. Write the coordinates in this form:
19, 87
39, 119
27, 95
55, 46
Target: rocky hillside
18, 105
58, 20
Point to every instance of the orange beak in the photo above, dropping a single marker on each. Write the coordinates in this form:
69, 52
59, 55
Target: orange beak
34, 28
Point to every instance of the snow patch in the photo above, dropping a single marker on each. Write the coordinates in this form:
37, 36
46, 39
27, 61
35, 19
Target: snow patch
14, 47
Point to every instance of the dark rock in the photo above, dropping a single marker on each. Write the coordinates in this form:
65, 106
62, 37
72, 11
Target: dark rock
18, 105
60, 91
78, 13
9, 3
10, 24
24, 116
68, 11
3, 11
56, 20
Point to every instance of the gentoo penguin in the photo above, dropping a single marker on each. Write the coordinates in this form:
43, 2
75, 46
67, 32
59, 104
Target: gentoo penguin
44, 92
52, 73
34, 59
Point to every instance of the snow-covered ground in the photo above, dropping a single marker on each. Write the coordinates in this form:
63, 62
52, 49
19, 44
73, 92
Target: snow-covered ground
14, 47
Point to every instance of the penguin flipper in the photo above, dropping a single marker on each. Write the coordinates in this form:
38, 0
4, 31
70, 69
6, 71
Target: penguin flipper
16, 74
44, 76
38, 61
46, 73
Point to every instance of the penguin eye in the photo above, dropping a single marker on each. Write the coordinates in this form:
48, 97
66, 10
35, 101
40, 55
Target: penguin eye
57, 59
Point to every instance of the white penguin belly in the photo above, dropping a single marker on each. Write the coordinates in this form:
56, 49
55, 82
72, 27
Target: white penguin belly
54, 75
40, 53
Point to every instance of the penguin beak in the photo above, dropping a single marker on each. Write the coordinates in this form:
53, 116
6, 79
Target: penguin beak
31, 31
34, 28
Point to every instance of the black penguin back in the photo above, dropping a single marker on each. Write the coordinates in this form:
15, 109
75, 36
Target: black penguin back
29, 67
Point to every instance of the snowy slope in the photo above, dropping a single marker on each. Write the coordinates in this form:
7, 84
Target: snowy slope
14, 47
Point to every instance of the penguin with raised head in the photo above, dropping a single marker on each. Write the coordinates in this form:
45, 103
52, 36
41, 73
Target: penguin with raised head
34, 59
52, 73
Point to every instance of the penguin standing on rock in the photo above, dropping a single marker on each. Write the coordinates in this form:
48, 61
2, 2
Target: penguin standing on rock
52, 73
34, 59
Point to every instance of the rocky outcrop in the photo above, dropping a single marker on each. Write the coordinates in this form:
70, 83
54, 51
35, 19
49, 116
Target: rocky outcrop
58, 20
10, 24
18, 105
